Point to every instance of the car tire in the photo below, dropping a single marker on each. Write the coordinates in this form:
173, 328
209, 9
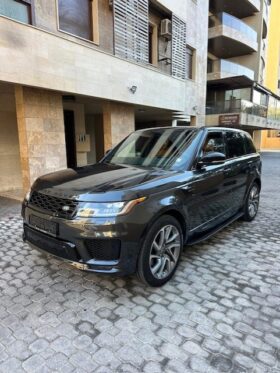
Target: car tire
160, 252
252, 203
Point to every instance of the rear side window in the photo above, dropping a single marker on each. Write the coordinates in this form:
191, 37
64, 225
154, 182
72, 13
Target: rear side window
235, 144
249, 145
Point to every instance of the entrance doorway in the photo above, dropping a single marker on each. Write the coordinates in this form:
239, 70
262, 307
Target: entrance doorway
70, 138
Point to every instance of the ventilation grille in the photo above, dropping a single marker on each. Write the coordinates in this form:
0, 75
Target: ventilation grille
54, 205
131, 28
104, 249
179, 56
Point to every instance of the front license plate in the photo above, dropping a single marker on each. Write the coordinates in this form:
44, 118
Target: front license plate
43, 225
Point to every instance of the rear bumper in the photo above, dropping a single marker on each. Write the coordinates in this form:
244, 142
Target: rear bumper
88, 245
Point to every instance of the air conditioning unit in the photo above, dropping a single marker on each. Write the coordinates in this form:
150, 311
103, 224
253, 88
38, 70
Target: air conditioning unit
166, 28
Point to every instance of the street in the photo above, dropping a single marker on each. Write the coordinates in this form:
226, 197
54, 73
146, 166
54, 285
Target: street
220, 313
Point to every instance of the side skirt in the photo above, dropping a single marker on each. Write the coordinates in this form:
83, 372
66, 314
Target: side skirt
196, 239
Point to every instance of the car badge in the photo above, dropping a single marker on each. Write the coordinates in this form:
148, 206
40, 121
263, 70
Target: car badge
65, 208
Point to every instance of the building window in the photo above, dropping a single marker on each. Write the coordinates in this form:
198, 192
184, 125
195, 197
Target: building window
209, 65
190, 62
20, 10
79, 17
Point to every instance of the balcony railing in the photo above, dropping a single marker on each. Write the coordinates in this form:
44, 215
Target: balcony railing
231, 69
236, 106
228, 20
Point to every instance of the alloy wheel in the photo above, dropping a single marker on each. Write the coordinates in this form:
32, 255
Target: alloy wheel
253, 201
165, 251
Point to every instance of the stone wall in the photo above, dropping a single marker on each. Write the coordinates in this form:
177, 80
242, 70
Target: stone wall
41, 132
46, 17
10, 172
118, 122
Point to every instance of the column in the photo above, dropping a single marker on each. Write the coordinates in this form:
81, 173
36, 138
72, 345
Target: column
41, 132
118, 122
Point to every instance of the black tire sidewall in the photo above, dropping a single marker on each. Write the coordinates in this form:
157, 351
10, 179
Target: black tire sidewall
247, 216
144, 271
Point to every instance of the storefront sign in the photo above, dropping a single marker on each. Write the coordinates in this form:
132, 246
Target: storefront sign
229, 120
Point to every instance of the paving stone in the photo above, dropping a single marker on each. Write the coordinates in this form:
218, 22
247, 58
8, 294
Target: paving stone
266, 358
84, 361
221, 363
34, 363
220, 312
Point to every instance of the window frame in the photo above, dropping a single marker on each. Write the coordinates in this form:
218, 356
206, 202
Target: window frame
193, 62
31, 11
153, 47
94, 23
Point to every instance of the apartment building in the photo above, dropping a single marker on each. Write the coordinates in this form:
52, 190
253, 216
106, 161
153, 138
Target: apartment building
237, 95
77, 76
271, 138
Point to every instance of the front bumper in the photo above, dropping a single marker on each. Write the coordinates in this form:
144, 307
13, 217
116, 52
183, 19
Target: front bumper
108, 246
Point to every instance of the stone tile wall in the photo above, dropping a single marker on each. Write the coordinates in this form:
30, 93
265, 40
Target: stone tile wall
10, 172
41, 132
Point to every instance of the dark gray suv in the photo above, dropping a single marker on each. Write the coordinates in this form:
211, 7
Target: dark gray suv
156, 191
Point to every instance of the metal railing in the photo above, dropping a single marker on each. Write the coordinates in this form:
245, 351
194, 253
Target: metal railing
236, 106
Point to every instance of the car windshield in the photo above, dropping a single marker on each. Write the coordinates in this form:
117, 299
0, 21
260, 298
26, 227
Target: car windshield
155, 148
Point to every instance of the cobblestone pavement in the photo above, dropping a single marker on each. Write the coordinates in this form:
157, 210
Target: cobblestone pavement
220, 313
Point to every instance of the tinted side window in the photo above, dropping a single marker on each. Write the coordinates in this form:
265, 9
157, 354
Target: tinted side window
235, 144
249, 145
214, 143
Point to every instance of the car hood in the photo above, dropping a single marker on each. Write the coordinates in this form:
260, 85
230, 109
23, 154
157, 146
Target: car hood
106, 182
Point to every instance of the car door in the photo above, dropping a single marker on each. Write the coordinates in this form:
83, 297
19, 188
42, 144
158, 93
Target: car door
236, 169
206, 206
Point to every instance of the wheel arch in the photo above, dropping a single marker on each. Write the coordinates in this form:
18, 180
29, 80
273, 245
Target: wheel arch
257, 180
175, 213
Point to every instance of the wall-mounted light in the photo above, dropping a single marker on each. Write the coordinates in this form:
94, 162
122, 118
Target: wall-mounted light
133, 89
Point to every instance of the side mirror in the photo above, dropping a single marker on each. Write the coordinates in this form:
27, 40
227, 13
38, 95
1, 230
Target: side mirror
212, 158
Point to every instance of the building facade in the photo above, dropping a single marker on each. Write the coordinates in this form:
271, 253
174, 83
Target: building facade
237, 95
77, 76
271, 138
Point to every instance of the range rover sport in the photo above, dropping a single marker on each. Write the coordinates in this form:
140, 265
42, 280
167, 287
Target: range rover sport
157, 191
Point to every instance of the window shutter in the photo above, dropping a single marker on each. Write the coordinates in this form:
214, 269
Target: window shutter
131, 29
179, 36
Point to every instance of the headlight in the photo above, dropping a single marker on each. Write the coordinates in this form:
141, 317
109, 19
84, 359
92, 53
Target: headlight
27, 196
107, 209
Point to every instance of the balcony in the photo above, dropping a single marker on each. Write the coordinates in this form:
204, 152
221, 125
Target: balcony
236, 106
223, 69
238, 8
265, 19
231, 37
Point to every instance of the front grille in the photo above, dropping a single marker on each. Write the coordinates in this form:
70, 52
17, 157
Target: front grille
51, 245
54, 204
104, 249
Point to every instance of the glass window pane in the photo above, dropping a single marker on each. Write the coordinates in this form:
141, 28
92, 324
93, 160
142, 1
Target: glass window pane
75, 17
214, 143
235, 144
16, 10
166, 149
